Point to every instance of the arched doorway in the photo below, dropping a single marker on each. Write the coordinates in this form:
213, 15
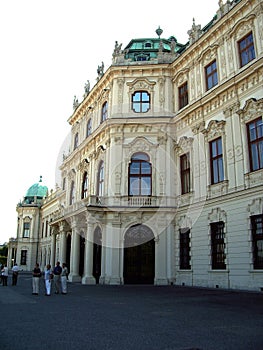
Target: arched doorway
139, 255
97, 241
81, 255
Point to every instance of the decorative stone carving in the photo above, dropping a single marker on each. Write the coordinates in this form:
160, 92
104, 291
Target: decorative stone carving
141, 84
184, 145
214, 129
194, 33
216, 215
253, 109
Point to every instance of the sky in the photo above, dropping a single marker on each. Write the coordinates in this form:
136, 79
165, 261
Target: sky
49, 49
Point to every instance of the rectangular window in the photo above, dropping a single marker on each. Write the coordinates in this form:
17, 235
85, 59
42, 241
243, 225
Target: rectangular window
246, 50
211, 75
26, 229
183, 95
23, 257
257, 238
218, 245
185, 249
185, 173
255, 144
216, 160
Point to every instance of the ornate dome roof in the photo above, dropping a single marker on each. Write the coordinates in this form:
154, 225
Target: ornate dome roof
37, 190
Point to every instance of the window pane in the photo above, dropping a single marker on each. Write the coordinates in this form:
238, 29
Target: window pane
136, 107
145, 186
134, 186
135, 168
136, 97
145, 97
145, 168
145, 107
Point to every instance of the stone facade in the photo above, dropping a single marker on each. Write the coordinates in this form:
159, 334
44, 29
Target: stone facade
161, 185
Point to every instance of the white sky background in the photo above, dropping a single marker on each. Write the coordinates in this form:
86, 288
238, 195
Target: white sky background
49, 49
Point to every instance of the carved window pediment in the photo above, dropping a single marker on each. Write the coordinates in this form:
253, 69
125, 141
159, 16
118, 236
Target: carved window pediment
209, 54
242, 27
253, 109
184, 145
214, 129
141, 84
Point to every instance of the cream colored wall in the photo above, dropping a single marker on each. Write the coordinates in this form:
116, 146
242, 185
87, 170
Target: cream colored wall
165, 133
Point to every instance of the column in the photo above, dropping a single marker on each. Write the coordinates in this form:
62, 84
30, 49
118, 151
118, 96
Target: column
53, 247
63, 242
74, 255
88, 278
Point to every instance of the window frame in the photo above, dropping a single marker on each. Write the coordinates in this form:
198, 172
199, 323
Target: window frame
256, 237
140, 159
84, 186
185, 249
89, 128
257, 142
141, 103
213, 75
104, 111
72, 193
76, 140
185, 173
26, 229
183, 95
100, 180
218, 256
23, 257
247, 53
217, 159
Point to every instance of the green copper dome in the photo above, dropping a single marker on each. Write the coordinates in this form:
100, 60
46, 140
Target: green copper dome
36, 191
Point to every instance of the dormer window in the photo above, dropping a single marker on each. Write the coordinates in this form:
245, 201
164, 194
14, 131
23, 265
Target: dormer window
148, 45
141, 102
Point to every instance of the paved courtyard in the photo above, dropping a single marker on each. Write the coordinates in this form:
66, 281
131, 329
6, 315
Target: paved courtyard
129, 317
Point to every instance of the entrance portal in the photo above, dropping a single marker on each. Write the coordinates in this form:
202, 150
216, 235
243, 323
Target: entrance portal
97, 254
139, 256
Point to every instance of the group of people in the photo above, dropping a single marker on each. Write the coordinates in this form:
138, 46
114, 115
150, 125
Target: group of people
5, 273
57, 276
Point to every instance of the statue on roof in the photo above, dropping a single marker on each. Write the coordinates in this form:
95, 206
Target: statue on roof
86, 89
75, 102
100, 70
117, 49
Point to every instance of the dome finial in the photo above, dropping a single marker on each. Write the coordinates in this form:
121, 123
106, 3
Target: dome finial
40, 179
159, 32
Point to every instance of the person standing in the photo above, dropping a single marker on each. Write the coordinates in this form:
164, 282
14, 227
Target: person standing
48, 279
4, 275
64, 278
57, 280
15, 270
36, 279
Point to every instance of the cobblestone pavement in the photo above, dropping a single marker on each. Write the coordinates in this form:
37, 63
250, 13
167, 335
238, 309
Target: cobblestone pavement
129, 317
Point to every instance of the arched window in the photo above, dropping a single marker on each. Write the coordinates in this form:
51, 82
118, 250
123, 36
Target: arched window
100, 190
88, 132
84, 189
104, 111
140, 175
72, 193
141, 102
76, 140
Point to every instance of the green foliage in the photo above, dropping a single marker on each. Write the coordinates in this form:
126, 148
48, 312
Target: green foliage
3, 254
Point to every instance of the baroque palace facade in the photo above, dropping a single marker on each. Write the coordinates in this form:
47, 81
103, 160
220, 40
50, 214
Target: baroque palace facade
163, 182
